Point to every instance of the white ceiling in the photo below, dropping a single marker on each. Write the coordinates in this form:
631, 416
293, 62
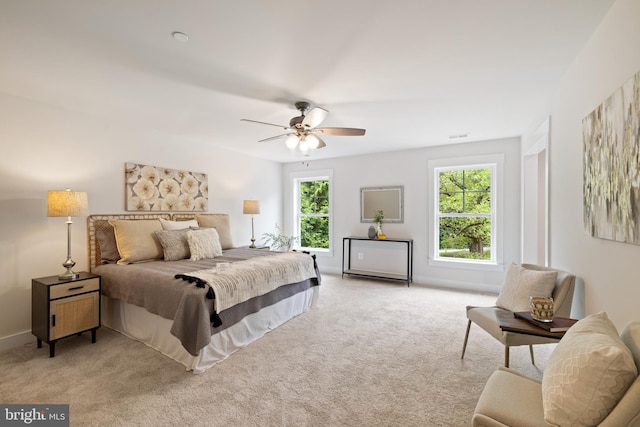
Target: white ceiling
411, 72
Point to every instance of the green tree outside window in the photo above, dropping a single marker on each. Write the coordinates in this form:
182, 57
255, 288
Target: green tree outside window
465, 212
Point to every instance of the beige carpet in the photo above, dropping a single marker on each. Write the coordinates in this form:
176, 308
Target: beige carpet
373, 353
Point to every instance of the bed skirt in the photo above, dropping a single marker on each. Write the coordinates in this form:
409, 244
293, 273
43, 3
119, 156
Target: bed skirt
152, 330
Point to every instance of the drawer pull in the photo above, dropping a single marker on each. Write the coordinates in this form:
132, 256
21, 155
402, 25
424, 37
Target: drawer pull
75, 288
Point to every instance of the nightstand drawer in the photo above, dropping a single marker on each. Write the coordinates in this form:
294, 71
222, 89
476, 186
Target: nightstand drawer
74, 288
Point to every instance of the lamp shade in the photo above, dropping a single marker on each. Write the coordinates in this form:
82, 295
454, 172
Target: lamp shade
67, 203
251, 207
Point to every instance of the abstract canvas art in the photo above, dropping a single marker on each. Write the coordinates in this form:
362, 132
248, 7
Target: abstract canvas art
611, 158
154, 188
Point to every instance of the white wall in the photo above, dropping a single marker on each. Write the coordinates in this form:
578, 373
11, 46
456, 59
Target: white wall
45, 148
610, 270
409, 168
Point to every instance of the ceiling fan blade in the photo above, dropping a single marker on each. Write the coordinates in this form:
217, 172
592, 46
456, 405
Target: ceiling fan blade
276, 137
321, 143
314, 118
265, 123
341, 131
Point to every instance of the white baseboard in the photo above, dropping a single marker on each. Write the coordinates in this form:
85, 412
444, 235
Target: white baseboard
450, 284
17, 340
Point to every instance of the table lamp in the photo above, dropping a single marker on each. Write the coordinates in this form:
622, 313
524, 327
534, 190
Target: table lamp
251, 207
67, 203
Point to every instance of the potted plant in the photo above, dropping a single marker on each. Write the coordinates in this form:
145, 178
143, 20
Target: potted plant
279, 241
378, 216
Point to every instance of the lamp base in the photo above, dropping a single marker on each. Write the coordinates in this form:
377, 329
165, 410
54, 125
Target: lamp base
68, 275
253, 244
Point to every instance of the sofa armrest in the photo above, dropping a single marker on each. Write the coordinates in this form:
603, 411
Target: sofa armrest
510, 398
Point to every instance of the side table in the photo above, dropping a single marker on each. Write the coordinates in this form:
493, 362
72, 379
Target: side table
61, 308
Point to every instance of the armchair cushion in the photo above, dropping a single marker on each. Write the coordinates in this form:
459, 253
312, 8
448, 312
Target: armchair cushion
587, 374
503, 385
521, 283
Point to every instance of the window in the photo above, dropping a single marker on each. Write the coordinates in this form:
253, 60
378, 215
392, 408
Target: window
465, 226
312, 213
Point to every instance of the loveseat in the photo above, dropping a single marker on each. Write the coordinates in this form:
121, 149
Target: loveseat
591, 379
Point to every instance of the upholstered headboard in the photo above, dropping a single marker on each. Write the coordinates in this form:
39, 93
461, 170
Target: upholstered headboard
97, 224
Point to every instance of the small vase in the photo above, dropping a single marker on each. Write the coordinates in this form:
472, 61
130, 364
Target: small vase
379, 229
372, 232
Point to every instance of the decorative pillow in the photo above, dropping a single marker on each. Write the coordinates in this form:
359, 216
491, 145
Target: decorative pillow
106, 240
136, 241
204, 243
521, 283
174, 243
177, 225
221, 223
587, 374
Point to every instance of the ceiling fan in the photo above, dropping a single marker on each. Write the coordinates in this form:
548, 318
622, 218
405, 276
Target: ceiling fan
303, 130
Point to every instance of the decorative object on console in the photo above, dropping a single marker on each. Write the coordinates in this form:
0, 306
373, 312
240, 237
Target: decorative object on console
378, 216
279, 241
610, 141
154, 188
251, 207
67, 203
372, 232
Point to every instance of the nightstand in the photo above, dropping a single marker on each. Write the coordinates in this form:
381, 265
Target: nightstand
61, 308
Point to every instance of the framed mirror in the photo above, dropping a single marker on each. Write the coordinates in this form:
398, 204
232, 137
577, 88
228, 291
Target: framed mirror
389, 199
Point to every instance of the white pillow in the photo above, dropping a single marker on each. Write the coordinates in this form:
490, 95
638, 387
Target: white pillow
177, 225
521, 283
587, 374
204, 243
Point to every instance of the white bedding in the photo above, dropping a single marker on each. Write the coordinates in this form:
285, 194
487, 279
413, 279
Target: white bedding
153, 330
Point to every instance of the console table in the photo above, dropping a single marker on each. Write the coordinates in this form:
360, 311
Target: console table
346, 253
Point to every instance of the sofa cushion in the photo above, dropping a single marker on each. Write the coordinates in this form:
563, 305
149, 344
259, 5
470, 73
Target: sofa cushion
587, 374
521, 283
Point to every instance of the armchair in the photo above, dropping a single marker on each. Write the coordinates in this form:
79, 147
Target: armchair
487, 317
592, 379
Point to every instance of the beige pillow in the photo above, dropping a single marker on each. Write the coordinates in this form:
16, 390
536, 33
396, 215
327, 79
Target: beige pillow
136, 241
177, 225
204, 244
521, 283
221, 223
174, 244
587, 374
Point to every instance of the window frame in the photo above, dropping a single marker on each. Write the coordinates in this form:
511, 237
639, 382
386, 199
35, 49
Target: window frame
296, 179
496, 164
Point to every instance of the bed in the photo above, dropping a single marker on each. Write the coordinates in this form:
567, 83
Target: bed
176, 283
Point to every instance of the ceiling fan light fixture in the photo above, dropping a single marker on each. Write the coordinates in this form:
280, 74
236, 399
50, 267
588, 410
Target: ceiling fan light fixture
291, 142
312, 141
304, 145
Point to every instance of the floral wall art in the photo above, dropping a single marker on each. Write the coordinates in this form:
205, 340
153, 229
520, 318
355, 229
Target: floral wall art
611, 158
154, 188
